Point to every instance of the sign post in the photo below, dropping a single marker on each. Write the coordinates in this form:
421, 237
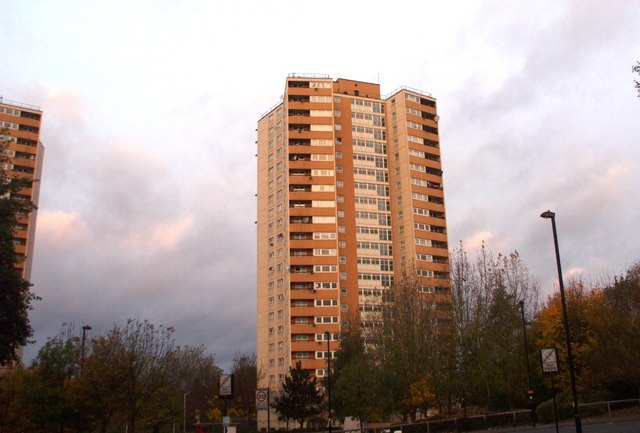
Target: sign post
550, 368
225, 392
263, 403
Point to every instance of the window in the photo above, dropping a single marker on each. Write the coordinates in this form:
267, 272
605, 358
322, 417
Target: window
324, 285
324, 252
321, 157
317, 172
324, 220
320, 113
321, 127
325, 268
326, 319
324, 235
326, 302
323, 203
323, 337
322, 188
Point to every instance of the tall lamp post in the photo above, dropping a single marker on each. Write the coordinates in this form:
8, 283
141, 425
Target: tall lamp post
85, 328
328, 335
526, 357
184, 413
576, 410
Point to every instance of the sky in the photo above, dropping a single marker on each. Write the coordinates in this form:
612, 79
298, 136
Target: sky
147, 203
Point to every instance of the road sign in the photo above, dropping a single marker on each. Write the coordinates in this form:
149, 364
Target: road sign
262, 397
549, 360
226, 388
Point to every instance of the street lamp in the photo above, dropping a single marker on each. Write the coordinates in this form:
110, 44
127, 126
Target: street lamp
328, 335
526, 356
85, 328
576, 410
184, 413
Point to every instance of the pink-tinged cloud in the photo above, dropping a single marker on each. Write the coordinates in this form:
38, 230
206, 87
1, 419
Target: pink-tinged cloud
158, 237
61, 228
475, 241
168, 236
67, 103
575, 272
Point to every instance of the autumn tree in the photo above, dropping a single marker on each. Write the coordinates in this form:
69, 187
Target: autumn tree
299, 398
47, 392
355, 379
405, 343
195, 371
550, 331
245, 379
615, 310
145, 352
16, 299
99, 391
486, 326
13, 413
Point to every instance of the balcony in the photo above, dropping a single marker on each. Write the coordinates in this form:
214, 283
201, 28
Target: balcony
300, 204
299, 142
299, 127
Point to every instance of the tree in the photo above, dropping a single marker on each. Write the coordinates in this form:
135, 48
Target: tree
299, 398
145, 351
487, 341
47, 392
405, 342
636, 69
13, 416
355, 390
245, 379
551, 331
615, 310
195, 373
99, 391
15, 297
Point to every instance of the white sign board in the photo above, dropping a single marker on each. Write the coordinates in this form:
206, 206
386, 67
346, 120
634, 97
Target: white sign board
226, 388
262, 398
549, 360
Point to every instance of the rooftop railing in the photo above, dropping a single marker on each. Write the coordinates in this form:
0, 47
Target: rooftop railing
19, 104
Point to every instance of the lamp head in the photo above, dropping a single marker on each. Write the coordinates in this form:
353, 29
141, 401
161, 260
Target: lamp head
548, 214
86, 328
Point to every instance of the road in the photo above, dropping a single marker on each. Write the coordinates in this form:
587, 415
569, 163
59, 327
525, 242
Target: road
608, 425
